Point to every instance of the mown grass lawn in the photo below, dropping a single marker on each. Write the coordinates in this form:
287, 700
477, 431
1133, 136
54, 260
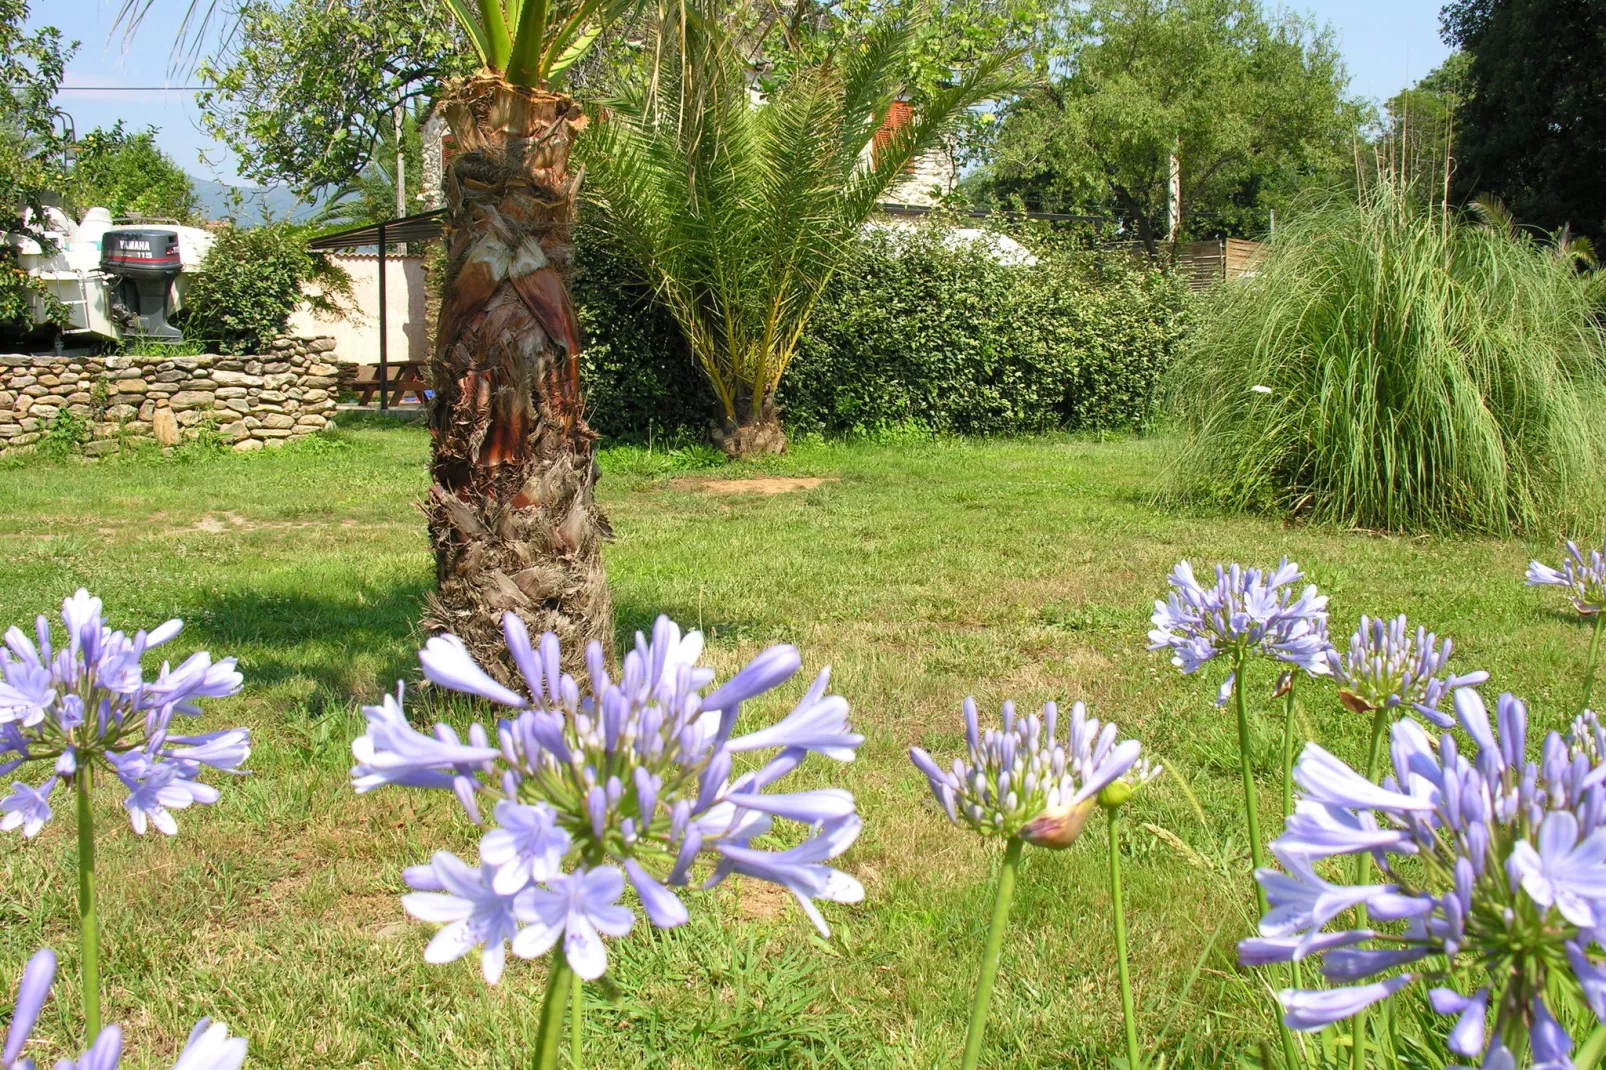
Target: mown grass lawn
922, 572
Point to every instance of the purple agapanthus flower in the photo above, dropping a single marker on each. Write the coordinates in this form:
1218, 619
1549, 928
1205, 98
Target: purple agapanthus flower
1584, 578
463, 899
1246, 611
580, 907
1023, 780
86, 701
1387, 666
1491, 859
209, 1046
634, 776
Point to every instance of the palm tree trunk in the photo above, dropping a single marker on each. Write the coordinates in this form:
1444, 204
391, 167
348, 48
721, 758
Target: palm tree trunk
512, 516
753, 431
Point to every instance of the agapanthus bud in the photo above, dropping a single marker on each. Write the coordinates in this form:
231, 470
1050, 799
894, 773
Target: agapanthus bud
1023, 781
1059, 827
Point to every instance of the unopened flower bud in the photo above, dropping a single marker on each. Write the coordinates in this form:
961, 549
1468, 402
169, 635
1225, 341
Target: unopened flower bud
1057, 828
1115, 795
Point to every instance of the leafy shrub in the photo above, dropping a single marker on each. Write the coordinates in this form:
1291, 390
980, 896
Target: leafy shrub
127, 174
638, 372
1392, 368
250, 283
916, 332
910, 334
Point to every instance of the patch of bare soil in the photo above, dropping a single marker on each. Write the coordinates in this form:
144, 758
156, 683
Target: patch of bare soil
762, 485
760, 900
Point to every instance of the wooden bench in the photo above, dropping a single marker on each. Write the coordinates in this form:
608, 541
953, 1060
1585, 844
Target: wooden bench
402, 377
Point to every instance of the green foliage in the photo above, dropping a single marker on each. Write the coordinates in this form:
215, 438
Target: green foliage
1254, 105
1420, 373
948, 36
252, 280
917, 333
371, 196
127, 174
738, 214
910, 337
290, 114
1532, 131
31, 67
64, 436
640, 379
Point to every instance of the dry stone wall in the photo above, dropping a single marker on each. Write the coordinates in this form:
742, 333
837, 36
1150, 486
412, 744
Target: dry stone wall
251, 402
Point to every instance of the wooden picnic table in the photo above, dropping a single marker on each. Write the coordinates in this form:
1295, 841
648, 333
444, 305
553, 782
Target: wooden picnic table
402, 377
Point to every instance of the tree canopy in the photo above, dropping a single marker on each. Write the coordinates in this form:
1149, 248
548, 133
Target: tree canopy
1533, 126
1253, 105
306, 88
127, 174
31, 143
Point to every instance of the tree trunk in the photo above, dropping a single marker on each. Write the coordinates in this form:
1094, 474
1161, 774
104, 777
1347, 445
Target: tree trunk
755, 431
512, 516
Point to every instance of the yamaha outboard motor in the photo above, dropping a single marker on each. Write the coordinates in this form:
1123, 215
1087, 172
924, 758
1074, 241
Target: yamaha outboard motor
143, 263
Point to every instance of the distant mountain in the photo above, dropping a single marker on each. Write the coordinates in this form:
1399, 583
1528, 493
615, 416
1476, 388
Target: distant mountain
256, 204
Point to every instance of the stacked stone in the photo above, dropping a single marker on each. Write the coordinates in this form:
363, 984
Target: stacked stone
253, 401
34, 389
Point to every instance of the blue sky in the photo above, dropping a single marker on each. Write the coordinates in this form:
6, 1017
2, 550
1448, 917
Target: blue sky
1387, 44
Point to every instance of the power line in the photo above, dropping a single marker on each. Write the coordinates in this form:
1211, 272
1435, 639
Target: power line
131, 88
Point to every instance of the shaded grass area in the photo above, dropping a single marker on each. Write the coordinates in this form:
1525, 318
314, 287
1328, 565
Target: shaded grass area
921, 571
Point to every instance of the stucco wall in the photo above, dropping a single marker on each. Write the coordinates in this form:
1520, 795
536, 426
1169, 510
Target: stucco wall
357, 335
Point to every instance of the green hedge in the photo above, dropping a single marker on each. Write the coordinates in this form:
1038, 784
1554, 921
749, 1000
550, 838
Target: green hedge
911, 333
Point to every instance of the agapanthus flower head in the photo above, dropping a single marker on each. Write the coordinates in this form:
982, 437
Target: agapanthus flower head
1387, 665
1490, 858
1024, 779
209, 1046
85, 700
1584, 578
631, 779
1245, 611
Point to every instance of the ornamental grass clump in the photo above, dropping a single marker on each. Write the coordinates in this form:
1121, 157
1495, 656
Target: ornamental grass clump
1024, 784
85, 706
1393, 367
209, 1046
630, 781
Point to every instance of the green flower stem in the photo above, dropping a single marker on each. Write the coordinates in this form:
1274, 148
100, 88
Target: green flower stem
549, 1036
1288, 749
1002, 898
1251, 808
1288, 785
576, 1017
88, 916
1374, 756
1133, 1059
1594, 652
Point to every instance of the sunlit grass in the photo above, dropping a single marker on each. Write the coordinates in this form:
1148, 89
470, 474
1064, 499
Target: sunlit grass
921, 572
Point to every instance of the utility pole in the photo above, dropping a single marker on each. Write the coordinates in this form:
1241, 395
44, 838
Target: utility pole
1173, 200
401, 173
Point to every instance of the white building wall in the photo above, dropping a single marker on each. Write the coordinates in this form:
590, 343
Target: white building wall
356, 335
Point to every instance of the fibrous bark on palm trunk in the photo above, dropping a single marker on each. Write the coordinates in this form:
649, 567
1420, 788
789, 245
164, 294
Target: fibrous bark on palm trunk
512, 516
752, 431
